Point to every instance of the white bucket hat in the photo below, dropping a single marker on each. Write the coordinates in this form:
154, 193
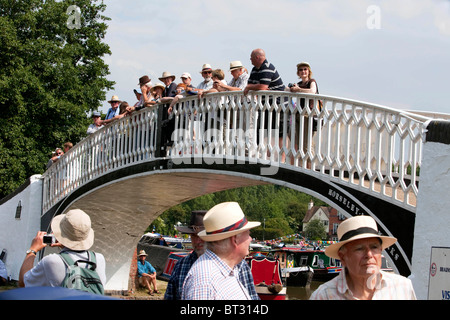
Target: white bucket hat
186, 75
359, 227
225, 220
73, 230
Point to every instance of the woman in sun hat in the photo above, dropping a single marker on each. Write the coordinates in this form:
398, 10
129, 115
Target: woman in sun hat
360, 248
73, 234
216, 274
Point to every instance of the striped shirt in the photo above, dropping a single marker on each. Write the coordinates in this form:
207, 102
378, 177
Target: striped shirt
210, 278
266, 74
393, 287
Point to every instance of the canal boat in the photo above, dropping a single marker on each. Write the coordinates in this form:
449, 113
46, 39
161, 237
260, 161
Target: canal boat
172, 260
304, 265
267, 277
163, 240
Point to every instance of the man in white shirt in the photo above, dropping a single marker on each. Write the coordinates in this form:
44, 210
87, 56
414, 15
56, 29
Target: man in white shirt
206, 73
359, 249
97, 123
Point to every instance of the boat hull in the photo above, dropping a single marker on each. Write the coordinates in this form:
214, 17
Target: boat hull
299, 278
265, 294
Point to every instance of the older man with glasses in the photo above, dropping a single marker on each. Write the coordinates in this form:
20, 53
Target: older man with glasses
114, 110
206, 73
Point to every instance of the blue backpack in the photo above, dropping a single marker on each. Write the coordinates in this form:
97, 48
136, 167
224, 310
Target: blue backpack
82, 278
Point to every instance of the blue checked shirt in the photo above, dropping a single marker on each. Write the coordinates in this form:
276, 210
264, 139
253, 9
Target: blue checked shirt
212, 279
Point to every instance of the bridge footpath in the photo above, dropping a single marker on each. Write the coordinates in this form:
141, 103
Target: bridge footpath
358, 157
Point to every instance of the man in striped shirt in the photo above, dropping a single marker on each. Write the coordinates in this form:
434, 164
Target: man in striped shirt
264, 76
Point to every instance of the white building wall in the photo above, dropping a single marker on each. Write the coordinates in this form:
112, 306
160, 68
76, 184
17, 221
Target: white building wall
433, 212
16, 234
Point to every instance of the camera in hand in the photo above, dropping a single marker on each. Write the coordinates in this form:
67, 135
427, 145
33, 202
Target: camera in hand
290, 85
49, 239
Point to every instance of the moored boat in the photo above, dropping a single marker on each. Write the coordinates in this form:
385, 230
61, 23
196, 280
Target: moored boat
302, 266
267, 277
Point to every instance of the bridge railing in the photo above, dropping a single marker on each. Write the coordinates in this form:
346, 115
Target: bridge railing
369, 147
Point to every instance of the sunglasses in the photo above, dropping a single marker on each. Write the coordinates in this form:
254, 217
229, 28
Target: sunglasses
206, 72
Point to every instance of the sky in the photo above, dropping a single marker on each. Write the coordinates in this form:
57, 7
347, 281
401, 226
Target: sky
394, 53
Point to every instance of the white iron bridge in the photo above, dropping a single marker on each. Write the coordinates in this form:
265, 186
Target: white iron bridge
359, 157
371, 148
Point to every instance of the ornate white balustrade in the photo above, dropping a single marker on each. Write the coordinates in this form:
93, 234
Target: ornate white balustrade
365, 146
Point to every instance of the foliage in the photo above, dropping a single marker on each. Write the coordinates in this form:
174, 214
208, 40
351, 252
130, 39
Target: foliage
51, 77
315, 230
279, 209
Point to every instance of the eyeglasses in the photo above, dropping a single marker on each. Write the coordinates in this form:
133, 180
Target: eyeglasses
302, 69
206, 72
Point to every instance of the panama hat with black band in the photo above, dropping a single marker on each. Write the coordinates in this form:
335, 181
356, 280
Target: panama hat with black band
225, 220
355, 228
235, 65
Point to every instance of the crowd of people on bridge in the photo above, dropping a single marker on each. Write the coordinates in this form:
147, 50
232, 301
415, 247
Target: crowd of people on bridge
263, 76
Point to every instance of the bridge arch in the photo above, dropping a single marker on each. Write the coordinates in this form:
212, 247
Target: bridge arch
121, 219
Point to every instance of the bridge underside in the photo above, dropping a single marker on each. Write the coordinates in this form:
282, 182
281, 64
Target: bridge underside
123, 202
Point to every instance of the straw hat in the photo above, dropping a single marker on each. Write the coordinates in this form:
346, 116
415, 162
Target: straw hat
115, 99
206, 66
142, 253
225, 220
235, 65
73, 230
158, 85
355, 228
196, 224
167, 75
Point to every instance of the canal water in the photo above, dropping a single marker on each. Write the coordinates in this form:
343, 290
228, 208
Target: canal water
302, 293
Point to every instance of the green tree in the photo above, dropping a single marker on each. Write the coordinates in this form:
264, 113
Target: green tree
315, 230
52, 74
